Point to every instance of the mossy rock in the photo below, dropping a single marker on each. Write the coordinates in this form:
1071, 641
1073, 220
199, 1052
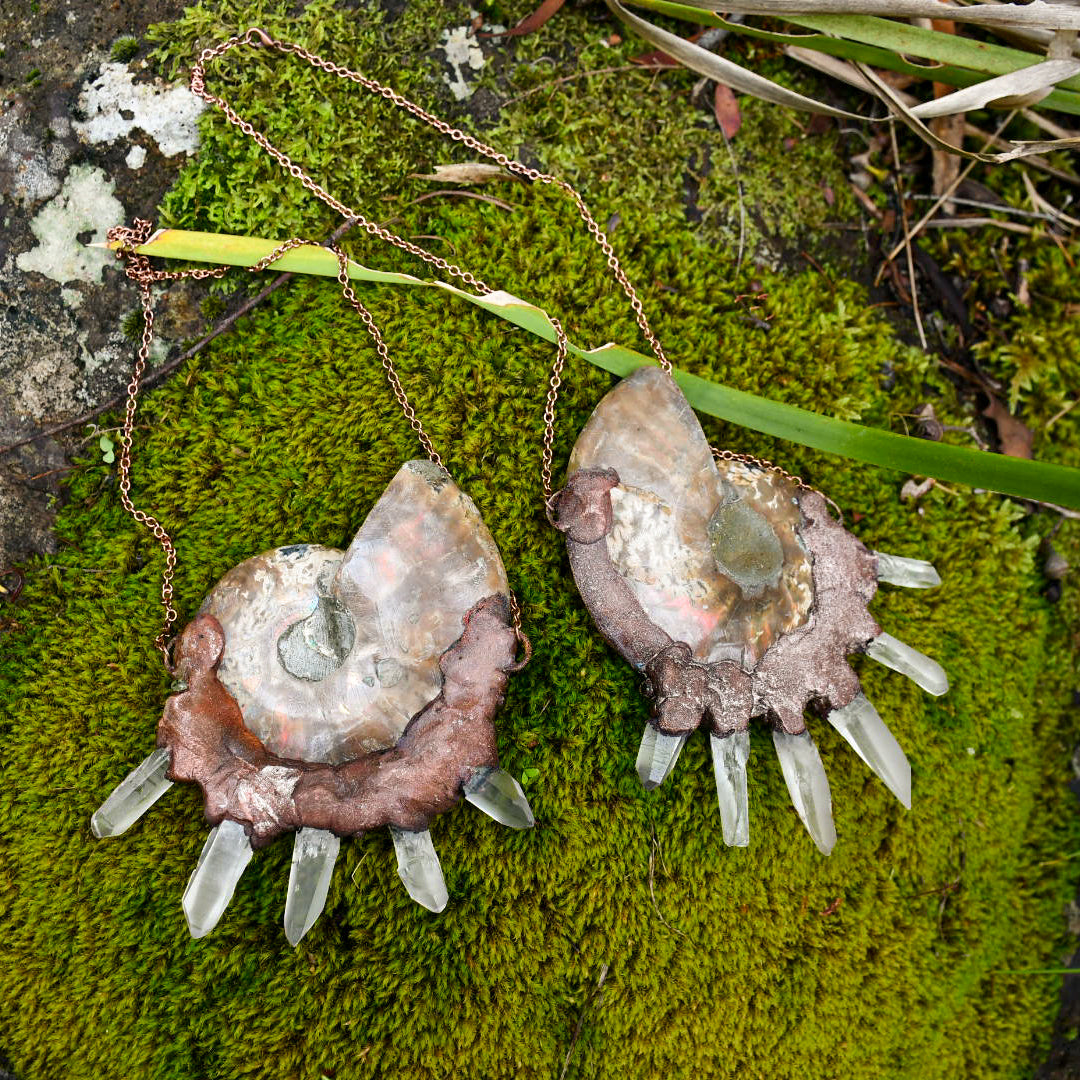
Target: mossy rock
619, 935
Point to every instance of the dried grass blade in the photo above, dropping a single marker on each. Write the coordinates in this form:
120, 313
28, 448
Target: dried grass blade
716, 67
1004, 91
885, 43
903, 112
1038, 13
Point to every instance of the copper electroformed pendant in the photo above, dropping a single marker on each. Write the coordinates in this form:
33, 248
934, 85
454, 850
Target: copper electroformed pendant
736, 594
331, 693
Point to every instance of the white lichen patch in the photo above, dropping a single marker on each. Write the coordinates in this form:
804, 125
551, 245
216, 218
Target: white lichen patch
136, 158
115, 104
86, 203
464, 55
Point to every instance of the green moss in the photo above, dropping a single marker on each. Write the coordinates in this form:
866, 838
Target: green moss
132, 325
124, 50
885, 960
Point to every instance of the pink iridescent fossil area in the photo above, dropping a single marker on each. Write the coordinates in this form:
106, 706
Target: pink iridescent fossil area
329, 655
714, 557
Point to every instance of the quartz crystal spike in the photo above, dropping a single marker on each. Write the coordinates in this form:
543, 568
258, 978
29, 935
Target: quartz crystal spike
657, 756
863, 728
808, 786
419, 869
500, 796
908, 573
730, 754
225, 854
133, 796
314, 853
929, 674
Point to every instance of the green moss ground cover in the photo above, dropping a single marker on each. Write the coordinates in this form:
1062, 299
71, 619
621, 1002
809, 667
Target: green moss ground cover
892, 958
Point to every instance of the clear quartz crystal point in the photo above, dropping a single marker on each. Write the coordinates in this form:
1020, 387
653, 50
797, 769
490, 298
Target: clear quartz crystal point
929, 674
729, 755
908, 573
808, 786
419, 869
314, 853
224, 857
133, 796
863, 728
500, 796
657, 756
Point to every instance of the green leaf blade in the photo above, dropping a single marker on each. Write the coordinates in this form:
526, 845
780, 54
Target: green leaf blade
1036, 480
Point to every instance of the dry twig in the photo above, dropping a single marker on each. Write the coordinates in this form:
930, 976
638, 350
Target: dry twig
907, 239
581, 1020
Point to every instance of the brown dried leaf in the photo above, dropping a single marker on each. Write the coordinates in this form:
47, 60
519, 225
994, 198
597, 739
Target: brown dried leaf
1014, 435
656, 58
946, 165
536, 19
726, 110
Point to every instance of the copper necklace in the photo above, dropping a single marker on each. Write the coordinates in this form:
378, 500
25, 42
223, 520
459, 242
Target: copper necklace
749, 536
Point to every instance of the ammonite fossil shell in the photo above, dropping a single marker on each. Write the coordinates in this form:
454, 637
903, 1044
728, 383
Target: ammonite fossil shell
735, 593
331, 693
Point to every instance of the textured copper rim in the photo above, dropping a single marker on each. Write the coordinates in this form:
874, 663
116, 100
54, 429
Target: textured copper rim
404, 786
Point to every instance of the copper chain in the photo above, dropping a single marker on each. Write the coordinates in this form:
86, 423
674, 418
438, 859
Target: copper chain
384, 356
257, 37
139, 270
549, 412
762, 463
137, 267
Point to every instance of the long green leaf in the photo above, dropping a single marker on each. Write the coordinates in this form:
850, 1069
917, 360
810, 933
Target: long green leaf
1034, 15
1036, 480
887, 44
982, 56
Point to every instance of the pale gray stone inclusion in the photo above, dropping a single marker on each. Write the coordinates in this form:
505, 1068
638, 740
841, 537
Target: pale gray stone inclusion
224, 858
419, 868
317, 646
657, 756
861, 725
314, 853
927, 673
499, 795
133, 796
807, 785
908, 573
389, 672
730, 754
745, 546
